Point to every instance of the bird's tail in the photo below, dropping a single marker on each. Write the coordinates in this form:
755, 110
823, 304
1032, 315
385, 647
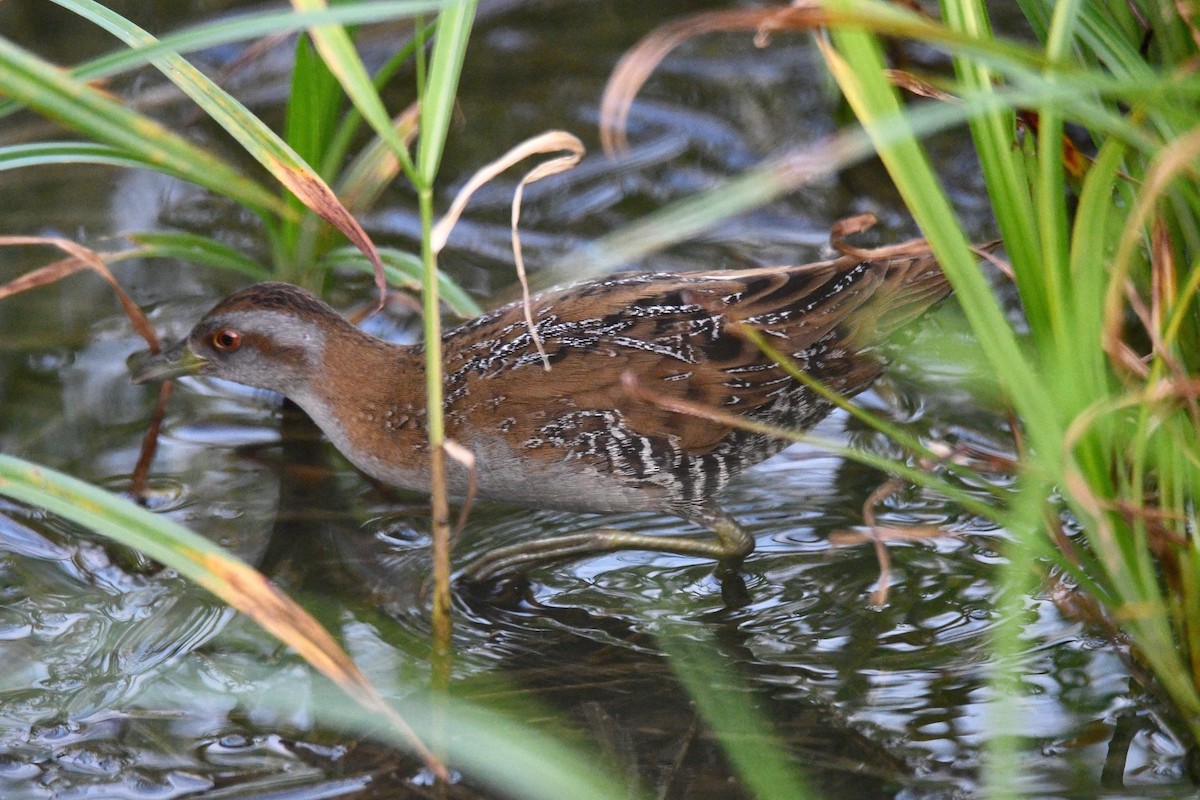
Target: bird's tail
911, 282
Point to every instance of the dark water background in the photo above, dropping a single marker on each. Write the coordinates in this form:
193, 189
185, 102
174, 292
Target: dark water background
122, 681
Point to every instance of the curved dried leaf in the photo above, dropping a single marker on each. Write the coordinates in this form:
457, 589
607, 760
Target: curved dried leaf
81, 258
548, 142
636, 66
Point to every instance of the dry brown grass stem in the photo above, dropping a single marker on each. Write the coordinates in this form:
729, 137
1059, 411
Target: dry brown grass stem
636, 66
141, 470
880, 535
882, 492
912, 84
849, 226
467, 459
1063, 542
980, 460
548, 142
1188, 12
1175, 161
80, 258
912, 248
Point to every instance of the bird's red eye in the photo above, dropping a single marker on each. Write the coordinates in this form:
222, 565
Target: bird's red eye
227, 339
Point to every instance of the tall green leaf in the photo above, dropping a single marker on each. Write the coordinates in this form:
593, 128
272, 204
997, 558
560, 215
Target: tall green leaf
53, 93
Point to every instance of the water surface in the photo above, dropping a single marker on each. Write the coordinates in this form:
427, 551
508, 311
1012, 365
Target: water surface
124, 681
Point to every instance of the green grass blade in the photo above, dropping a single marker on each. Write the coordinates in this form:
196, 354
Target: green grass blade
404, 270
194, 248
251, 132
514, 759
437, 99
338, 52
40, 154
193, 556
111, 515
1116, 442
344, 136
240, 28
861, 78
54, 94
1002, 165
1051, 205
315, 103
761, 760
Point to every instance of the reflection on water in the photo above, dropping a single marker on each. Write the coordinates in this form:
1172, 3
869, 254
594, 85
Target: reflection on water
121, 680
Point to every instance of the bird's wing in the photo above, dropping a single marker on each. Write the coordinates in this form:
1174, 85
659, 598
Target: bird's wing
676, 335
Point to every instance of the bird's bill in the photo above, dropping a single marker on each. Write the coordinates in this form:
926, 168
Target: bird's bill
175, 362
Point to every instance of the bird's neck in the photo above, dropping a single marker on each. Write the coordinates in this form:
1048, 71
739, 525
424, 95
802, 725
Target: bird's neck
368, 397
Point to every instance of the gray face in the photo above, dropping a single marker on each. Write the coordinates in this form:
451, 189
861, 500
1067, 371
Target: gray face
261, 348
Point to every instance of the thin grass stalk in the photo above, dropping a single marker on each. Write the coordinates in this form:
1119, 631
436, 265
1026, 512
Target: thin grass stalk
436, 430
438, 88
1050, 198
